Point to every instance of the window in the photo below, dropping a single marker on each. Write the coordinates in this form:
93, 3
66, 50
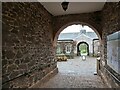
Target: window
68, 48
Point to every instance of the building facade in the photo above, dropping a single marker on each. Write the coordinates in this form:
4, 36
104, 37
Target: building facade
71, 44
65, 47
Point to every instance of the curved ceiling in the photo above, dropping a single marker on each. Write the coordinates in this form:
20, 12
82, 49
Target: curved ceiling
55, 8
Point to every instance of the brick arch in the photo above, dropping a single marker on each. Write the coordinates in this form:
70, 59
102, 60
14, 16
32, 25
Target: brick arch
71, 23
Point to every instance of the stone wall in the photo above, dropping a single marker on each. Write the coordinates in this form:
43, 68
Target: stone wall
27, 41
62, 45
110, 24
27, 51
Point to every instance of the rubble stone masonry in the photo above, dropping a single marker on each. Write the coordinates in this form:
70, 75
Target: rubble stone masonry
110, 24
27, 53
28, 30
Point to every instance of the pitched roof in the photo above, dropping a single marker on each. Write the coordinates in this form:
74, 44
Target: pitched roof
72, 36
67, 36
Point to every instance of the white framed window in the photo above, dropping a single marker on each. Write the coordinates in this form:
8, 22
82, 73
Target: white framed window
68, 48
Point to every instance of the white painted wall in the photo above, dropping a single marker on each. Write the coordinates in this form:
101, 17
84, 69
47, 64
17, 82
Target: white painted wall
84, 38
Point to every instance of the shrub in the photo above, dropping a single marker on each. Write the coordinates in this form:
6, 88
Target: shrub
61, 58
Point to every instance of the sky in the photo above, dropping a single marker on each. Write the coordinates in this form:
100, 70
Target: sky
76, 28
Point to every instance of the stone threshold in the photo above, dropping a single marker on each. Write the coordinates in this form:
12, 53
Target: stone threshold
45, 78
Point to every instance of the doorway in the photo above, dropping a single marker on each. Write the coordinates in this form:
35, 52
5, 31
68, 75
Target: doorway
82, 49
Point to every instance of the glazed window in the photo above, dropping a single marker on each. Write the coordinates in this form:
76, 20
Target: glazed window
68, 48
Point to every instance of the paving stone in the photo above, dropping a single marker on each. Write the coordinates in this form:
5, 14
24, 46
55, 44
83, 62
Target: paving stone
75, 73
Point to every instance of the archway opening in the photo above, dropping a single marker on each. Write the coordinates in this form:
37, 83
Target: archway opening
55, 38
82, 49
75, 41
73, 68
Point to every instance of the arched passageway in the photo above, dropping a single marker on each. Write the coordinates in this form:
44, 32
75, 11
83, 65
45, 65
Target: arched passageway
76, 71
29, 35
87, 48
82, 49
76, 67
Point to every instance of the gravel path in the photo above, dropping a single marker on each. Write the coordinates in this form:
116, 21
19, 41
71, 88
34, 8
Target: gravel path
75, 73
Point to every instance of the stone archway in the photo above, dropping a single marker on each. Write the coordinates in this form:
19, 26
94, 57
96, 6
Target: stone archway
59, 28
78, 48
71, 23
93, 20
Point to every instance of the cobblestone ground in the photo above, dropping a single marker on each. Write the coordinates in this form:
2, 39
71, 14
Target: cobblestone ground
75, 73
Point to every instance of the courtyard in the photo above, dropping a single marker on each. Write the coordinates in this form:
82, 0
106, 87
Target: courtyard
75, 73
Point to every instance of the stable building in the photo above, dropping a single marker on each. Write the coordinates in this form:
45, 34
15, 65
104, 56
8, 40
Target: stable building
70, 44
